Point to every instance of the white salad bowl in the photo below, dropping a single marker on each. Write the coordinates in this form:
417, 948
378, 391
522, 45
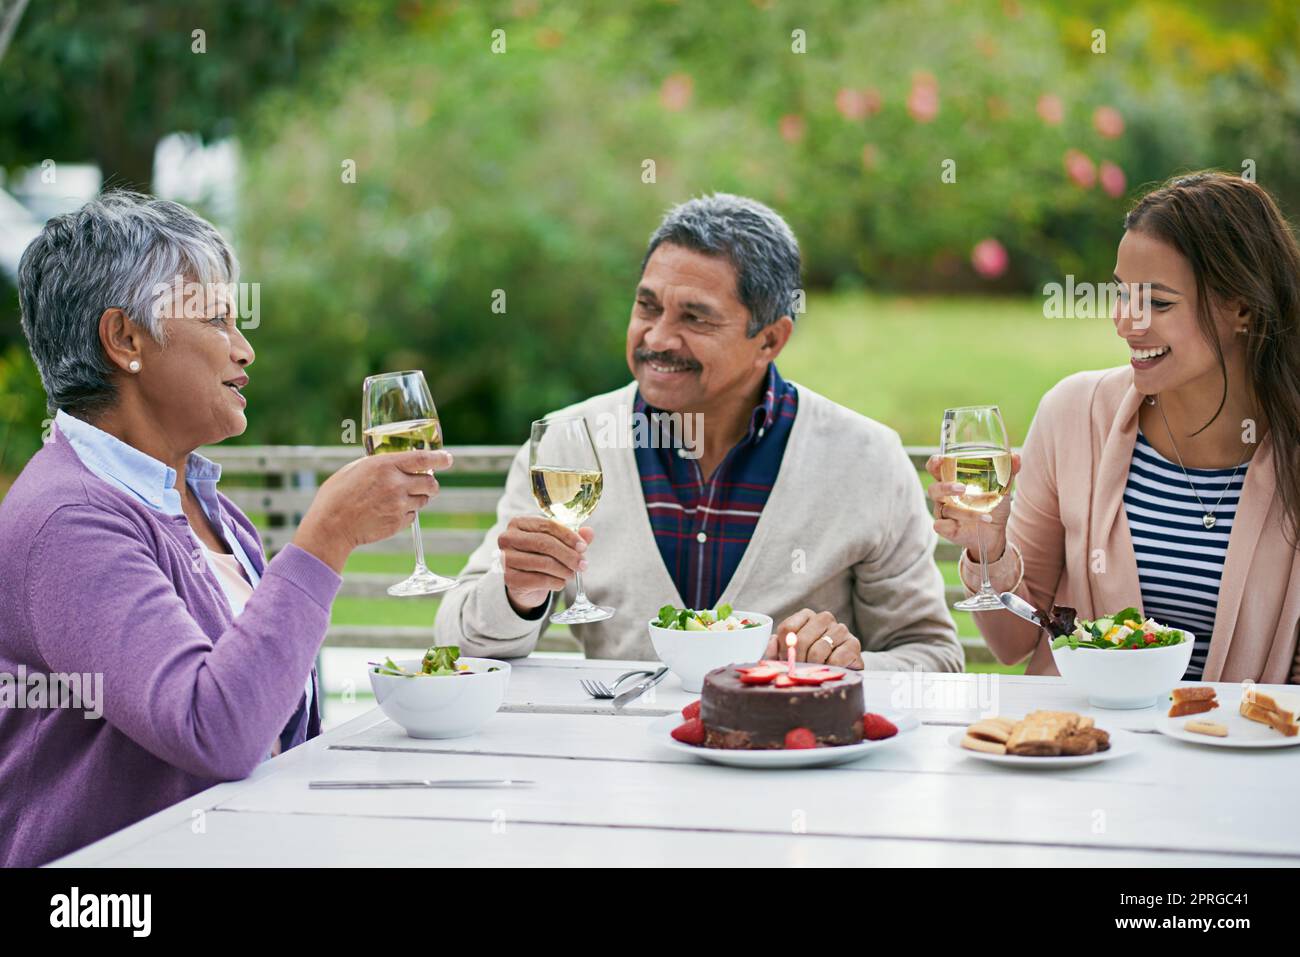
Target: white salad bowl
1120, 678
692, 654
442, 706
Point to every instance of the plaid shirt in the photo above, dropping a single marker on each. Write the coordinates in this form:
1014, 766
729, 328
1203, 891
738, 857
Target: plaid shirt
703, 525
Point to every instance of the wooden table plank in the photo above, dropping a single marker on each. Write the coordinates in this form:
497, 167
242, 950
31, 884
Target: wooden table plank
605, 787
253, 840
1077, 809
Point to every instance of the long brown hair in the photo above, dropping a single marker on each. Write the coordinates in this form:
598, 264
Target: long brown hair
1242, 249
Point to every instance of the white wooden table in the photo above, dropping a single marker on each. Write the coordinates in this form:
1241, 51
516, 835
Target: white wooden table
606, 793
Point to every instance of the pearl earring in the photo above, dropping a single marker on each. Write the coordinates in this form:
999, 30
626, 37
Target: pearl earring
134, 365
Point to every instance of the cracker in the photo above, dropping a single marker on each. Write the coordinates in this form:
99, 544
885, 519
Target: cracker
978, 744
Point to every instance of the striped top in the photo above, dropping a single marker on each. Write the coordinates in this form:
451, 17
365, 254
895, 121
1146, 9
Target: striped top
1179, 560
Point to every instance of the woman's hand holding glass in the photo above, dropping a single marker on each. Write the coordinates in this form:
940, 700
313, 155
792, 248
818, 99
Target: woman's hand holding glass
961, 525
368, 500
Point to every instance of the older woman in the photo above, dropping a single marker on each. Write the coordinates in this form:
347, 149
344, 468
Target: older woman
119, 558
1171, 483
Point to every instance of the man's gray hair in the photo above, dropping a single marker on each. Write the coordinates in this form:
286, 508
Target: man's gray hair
758, 242
117, 251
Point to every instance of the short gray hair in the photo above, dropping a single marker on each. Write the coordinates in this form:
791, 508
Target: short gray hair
114, 252
757, 241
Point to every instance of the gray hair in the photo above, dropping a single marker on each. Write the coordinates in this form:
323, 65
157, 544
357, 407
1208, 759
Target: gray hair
758, 242
117, 251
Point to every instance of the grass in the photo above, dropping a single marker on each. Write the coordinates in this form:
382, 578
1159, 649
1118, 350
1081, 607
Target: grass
903, 360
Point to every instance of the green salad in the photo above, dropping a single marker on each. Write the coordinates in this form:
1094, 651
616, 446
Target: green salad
438, 661
689, 619
1125, 629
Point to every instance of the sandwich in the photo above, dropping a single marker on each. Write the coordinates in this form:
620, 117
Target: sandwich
1278, 711
1192, 700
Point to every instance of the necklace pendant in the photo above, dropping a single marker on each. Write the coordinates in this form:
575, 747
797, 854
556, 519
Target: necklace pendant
1208, 520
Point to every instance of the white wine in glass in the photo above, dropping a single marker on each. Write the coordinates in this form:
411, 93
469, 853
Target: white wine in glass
973, 450
985, 472
398, 415
567, 480
567, 496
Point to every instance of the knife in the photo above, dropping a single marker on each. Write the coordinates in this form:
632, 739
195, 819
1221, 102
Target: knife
1021, 608
638, 689
444, 783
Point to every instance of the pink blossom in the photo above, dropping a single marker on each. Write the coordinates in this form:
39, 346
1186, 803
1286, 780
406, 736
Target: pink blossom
549, 38
1080, 168
990, 259
675, 93
1108, 122
857, 104
791, 127
923, 100
849, 102
1051, 109
1112, 179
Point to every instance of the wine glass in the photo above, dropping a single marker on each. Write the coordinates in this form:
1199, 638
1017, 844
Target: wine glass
398, 415
565, 475
974, 450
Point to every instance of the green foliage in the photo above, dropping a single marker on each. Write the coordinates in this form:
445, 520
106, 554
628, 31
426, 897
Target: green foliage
105, 81
22, 409
520, 173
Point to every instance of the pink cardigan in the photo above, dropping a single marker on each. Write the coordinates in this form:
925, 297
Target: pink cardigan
1068, 520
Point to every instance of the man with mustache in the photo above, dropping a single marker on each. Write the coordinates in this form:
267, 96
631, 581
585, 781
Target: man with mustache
786, 504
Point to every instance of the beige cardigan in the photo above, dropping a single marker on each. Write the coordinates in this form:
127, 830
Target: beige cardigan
845, 530
1068, 520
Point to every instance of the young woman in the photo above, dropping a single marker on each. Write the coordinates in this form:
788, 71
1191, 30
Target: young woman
1171, 483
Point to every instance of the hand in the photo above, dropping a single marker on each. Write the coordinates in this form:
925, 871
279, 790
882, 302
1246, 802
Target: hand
958, 524
368, 500
821, 640
539, 556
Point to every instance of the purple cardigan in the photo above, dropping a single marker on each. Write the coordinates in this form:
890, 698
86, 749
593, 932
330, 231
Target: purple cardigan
94, 581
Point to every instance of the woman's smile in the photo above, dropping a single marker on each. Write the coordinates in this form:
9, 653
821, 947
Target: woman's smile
236, 385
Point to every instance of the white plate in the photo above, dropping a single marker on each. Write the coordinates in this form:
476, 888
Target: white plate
1242, 732
661, 731
1122, 743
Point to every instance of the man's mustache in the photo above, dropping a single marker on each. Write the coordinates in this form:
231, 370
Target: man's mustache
665, 359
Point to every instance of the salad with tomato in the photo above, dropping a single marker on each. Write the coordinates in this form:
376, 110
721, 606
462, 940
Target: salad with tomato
1125, 629
689, 619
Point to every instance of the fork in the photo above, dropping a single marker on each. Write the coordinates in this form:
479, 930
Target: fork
600, 690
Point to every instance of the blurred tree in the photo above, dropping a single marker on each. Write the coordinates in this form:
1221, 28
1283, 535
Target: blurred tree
519, 167
11, 12
446, 158
91, 81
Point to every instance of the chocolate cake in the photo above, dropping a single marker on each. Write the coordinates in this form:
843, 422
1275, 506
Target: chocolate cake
749, 716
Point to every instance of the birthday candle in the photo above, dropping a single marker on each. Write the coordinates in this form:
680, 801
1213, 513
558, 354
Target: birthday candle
790, 641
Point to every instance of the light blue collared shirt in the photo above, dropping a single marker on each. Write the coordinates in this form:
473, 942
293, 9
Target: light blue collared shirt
154, 483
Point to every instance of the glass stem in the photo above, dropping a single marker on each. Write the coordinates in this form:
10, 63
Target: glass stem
986, 587
580, 598
419, 546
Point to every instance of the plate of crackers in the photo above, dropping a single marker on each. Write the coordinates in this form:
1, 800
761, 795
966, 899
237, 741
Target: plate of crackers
1259, 719
1042, 739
